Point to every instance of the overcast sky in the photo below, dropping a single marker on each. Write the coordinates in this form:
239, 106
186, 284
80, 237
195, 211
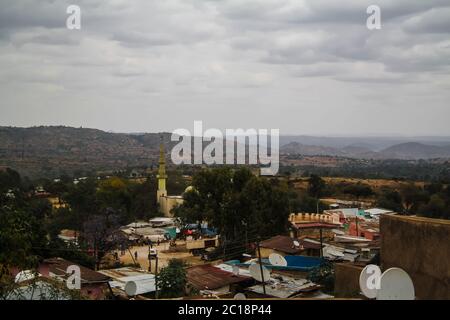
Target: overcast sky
305, 67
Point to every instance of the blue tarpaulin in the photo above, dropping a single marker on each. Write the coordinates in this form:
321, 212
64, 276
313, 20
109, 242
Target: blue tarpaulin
294, 263
210, 232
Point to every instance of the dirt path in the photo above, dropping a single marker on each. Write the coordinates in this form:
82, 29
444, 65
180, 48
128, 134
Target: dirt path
163, 257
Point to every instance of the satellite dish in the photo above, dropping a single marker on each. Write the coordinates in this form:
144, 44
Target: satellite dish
367, 276
277, 260
296, 243
255, 272
239, 296
24, 276
396, 284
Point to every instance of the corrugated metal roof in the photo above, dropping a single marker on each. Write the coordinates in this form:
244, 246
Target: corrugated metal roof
204, 277
286, 245
284, 287
58, 267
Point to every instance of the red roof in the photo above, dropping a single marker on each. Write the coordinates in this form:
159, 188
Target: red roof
316, 225
208, 277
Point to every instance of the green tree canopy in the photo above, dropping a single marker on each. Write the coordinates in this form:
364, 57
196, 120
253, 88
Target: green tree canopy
172, 279
236, 202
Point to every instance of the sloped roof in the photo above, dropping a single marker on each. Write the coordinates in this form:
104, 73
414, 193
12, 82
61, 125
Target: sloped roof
286, 245
58, 266
209, 277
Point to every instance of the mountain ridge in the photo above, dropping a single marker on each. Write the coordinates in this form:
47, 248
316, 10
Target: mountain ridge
55, 150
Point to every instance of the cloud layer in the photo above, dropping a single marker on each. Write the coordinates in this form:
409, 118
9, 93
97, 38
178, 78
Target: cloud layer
306, 67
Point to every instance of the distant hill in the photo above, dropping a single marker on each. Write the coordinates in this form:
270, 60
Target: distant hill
405, 151
310, 150
52, 151
372, 143
414, 150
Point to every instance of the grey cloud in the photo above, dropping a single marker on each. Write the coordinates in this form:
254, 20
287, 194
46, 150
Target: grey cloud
255, 63
433, 21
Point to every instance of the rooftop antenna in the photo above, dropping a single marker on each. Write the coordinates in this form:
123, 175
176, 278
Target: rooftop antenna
395, 284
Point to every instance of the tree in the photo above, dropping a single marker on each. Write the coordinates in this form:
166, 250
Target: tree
9, 179
412, 197
57, 188
358, 190
323, 275
100, 233
172, 279
435, 208
143, 199
236, 203
83, 201
316, 185
433, 188
22, 238
390, 199
305, 203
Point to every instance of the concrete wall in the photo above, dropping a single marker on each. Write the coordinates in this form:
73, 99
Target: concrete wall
167, 203
421, 247
346, 284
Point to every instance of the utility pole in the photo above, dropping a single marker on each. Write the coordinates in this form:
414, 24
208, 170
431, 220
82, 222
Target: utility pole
149, 260
132, 257
156, 278
321, 243
261, 268
356, 223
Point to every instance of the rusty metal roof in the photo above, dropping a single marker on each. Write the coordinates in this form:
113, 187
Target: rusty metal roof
286, 245
58, 266
208, 277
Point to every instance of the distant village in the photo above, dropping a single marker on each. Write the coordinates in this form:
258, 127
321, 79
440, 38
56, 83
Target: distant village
321, 256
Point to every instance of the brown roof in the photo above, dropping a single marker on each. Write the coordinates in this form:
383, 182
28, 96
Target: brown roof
286, 245
68, 233
208, 277
58, 266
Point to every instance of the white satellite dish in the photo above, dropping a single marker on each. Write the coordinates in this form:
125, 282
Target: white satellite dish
296, 243
239, 296
255, 272
366, 277
277, 260
395, 284
24, 276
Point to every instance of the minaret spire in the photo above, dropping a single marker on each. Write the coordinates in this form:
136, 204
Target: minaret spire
162, 176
